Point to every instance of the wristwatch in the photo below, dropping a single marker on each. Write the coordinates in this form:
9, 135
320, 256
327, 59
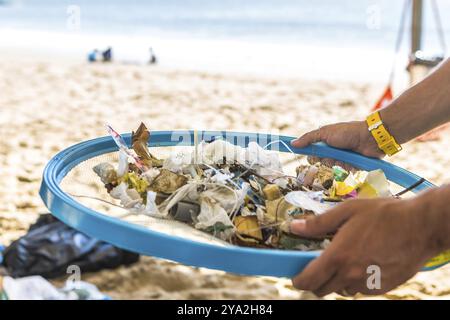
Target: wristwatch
386, 142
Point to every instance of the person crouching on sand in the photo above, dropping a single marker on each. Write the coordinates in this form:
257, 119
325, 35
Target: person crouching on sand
396, 236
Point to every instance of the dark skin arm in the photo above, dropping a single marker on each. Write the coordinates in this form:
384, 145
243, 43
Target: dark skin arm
419, 109
399, 236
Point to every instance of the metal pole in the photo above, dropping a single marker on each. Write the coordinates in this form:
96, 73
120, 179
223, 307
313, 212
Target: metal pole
416, 72
416, 26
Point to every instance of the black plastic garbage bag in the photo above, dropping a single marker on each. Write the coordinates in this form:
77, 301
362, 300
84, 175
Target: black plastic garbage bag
50, 247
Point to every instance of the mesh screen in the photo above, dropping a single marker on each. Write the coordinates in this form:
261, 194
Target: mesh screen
85, 187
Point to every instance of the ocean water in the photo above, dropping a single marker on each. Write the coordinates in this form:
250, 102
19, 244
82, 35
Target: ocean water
222, 33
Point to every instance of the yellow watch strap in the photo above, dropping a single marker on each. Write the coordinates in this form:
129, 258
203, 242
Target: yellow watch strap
439, 260
384, 139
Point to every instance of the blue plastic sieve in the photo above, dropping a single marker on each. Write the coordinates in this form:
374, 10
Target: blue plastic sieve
137, 238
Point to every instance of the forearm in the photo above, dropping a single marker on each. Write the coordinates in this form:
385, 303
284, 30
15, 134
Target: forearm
433, 207
420, 108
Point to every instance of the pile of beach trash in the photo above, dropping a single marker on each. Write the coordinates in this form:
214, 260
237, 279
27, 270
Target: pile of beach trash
238, 194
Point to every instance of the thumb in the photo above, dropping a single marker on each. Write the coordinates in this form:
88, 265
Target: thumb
323, 224
308, 138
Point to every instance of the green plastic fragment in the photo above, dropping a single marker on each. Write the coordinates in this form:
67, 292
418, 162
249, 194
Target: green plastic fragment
134, 182
217, 228
339, 173
292, 242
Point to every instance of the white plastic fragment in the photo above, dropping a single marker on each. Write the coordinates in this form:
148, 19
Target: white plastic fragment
129, 198
38, 288
307, 175
245, 187
151, 208
211, 213
123, 163
377, 179
226, 198
30, 288
218, 150
177, 161
221, 177
308, 200
151, 174
245, 212
266, 163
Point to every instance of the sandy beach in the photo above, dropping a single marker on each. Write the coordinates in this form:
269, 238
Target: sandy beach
48, 106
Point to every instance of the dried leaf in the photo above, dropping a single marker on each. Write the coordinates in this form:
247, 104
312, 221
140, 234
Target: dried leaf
247, 241
139, 140
248, 226
272, 192
168, 182
277, 210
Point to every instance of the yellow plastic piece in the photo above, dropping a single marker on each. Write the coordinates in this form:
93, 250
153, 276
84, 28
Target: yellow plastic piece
341, 188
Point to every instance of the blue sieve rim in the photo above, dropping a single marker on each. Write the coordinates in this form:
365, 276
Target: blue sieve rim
133, 237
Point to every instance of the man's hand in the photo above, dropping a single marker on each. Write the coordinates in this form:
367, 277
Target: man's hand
346, 135
395, 235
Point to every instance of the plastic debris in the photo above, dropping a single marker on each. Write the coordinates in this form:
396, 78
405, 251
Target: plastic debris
151, 208
237, 194
324, 178
129, 198
185, 211
177, 161
135, 182
124, 160
188, 192
2, 248
266, 164
362, 184
308, 200
214, 218
292, 242
339, 173
277, 210
131, 154
306, 175
50, 247
220, 152
272, 192
37, 288
375, 185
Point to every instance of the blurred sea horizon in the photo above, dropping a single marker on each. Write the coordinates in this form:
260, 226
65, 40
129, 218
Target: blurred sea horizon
347, 38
